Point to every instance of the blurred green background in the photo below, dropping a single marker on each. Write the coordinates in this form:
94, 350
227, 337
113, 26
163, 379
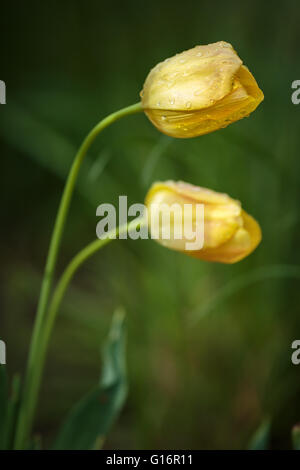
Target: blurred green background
209, 346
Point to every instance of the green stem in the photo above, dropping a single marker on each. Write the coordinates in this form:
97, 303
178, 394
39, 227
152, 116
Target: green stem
59, 292
29, 394
66, 278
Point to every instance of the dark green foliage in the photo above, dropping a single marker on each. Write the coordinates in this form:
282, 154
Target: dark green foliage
210, 345
3, 406
91, 419
296, 437
261, 438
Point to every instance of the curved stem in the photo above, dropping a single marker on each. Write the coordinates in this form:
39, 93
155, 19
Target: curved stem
66, 278
27, 407
58, 295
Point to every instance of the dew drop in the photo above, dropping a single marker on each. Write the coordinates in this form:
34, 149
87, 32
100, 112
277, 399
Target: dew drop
188, 104
198, 92
164, 118
199, 54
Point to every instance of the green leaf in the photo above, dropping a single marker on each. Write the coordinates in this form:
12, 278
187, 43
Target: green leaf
3, 406
8, 408
296, 437
261, 438
90, 420
12, 410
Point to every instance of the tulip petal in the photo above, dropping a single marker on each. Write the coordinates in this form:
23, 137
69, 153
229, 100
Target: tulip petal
199, 91
243, 242
193, 79
230, 234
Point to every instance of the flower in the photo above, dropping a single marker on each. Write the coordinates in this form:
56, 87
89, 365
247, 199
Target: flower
229, 233
199, 91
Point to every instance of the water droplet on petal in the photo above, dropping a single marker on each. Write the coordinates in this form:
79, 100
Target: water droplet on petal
198, 92
188, 104
199, 54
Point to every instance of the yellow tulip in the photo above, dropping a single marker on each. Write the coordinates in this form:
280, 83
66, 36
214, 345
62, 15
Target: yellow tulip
199, 91
229, 235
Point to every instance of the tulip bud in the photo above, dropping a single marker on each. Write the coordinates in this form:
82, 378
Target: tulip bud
230, 234
199, 91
